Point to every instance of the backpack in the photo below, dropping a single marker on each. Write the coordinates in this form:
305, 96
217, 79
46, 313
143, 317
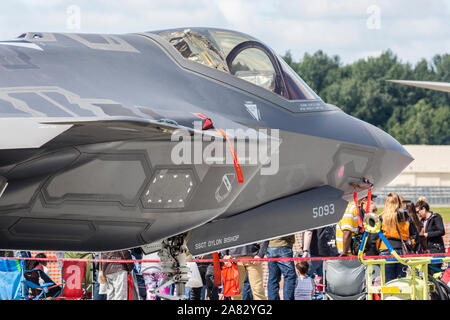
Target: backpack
328, 239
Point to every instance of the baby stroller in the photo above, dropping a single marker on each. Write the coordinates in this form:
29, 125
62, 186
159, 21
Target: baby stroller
37, 285
344, 280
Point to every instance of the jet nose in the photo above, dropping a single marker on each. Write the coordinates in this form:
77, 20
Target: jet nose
386, 141
393, 157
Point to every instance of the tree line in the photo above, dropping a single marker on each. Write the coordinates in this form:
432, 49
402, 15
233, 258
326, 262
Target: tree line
411, 115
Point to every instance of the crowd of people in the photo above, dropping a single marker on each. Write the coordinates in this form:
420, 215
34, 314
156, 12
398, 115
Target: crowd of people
409, 227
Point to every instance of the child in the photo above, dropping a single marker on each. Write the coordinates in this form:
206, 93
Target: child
42, 264
304, 289
41, 278
34, 276
153, 277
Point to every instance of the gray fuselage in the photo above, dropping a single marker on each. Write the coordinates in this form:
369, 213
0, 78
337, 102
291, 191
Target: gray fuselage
89, 169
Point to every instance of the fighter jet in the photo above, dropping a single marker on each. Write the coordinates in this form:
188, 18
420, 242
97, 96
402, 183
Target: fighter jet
432, 85
202, 136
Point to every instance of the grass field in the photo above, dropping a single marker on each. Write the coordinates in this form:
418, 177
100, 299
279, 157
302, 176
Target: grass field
444, 212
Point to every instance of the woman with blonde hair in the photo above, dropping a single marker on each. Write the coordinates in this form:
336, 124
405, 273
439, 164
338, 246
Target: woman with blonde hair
396, 229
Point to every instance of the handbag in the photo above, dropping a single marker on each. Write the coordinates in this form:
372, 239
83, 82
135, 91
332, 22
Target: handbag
405, 248
103, 288
101, 276
195, 280
230, 276
103, 282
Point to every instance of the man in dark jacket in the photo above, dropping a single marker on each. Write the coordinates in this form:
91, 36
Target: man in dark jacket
253, 269
117, 274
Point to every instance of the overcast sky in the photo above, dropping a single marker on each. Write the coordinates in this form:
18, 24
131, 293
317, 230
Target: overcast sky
353, 29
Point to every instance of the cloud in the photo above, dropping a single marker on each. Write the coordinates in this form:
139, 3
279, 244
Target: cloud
411, 28
40, 3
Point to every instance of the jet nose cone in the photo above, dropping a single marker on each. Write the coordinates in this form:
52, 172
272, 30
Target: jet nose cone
386, 141
394, 158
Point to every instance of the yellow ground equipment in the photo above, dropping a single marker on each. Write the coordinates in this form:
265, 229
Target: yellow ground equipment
417, 285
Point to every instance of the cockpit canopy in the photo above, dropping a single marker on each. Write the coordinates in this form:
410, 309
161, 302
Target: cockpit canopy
241, 56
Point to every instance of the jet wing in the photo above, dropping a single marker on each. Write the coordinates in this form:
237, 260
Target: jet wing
24, 138
30, 133
439, 86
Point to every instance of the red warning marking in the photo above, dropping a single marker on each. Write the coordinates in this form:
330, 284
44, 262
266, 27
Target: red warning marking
236, 162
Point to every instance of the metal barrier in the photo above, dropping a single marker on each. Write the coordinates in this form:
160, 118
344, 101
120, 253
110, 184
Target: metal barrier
436, 195
418, 262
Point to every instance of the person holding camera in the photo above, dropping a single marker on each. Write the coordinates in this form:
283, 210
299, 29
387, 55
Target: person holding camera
413, 219
349, 229
399, 232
